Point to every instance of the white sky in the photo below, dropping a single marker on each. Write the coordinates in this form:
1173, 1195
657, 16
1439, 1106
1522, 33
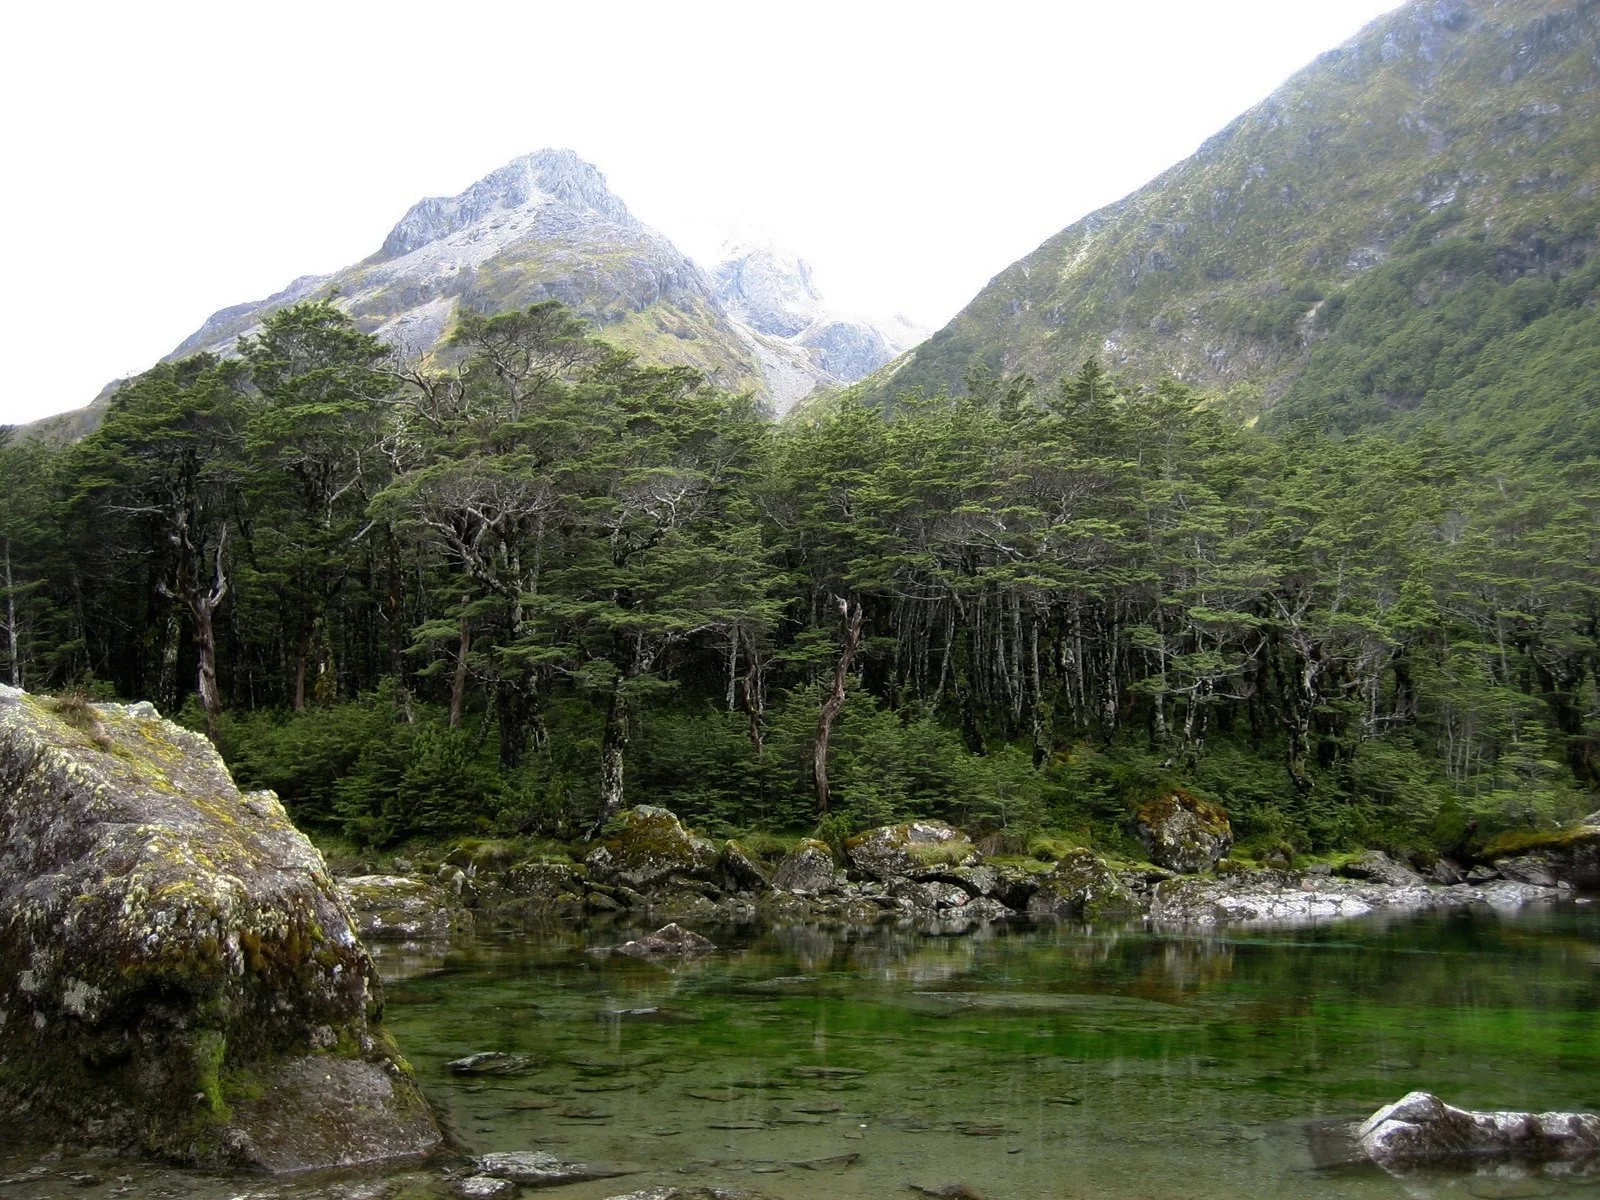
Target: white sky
163, 160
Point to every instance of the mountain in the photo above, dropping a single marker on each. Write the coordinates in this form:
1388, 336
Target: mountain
546, 226
771, 292
1406, 229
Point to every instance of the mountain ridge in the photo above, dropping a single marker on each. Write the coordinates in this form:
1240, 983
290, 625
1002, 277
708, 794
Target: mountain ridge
1446, 119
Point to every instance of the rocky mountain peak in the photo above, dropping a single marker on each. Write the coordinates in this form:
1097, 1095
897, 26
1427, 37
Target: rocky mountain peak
545, 177
768, 289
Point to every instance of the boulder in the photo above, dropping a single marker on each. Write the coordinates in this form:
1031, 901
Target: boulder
178, 971
670, 939
1184, 833
1423, 1128
809, 867
399, 908
1377, 867
1082, 885
900, 851
931, 896
1571, 856
1528, 868
650, 847
741, 869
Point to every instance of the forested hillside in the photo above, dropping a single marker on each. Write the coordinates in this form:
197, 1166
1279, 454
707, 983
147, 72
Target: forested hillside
512, 596
1404, 233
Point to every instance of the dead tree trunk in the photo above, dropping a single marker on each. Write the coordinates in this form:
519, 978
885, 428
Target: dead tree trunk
458, 684
850, 611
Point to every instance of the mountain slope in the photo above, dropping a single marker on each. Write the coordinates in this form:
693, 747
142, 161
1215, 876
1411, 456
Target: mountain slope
1447, 156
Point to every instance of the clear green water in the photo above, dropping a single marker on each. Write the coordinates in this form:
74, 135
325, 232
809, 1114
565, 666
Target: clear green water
1023, 1063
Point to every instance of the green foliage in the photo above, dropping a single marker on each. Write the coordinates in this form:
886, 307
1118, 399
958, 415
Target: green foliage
507, 600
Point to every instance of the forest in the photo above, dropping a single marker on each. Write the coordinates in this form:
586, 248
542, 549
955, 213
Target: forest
515, 588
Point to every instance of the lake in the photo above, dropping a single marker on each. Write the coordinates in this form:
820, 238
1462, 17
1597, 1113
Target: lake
1021, 1062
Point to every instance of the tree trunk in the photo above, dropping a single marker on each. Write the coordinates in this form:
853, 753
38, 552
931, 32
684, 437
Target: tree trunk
13, 648
850, 611
458, 685
302, 656
613, 748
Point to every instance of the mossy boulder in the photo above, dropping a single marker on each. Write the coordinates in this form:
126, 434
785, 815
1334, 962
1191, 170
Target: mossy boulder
1082, 885
649, 846
809, 868
178, 971
1183, 833
906, 850
741, 870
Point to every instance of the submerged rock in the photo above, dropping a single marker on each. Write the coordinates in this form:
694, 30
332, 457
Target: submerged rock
492, 1062
179, 971
540, 1168
1184, 833
1082, 885
483, 1187
669, 939
650, 847
809, 867
1423, 1128
672, 1192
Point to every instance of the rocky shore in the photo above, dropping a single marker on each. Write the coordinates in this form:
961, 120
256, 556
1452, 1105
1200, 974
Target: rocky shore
932, 875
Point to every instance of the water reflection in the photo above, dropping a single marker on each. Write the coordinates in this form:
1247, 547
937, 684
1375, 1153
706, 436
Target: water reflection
810, 1063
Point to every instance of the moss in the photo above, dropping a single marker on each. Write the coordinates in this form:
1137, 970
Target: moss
1522, 841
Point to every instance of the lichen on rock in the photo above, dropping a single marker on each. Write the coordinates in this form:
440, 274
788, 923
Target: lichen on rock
1082, 885
649, 846
1183, 833
179, 972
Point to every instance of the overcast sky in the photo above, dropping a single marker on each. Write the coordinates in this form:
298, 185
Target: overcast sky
163, 160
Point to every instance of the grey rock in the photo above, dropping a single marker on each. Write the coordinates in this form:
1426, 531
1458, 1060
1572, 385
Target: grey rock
1482, 874
669, 940
741, 869
1184, 833
491, 1062
1422, 1128
483, 1187
809, 867
649, 848
1082, 885
1279, 897
154, 918
399, 908
1529, 868
1447, 871
540, 1168
896, 851
1377, 866
690, 1193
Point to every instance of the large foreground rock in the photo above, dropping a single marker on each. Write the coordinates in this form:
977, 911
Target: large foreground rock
178, 972
1184, 833
1423, 1128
